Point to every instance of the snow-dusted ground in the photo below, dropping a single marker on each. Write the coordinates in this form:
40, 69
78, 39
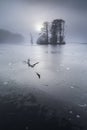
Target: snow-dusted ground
63, 71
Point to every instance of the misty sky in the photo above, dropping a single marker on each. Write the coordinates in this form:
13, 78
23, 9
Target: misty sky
23, 16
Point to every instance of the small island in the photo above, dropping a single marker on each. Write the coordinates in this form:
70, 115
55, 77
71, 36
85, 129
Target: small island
52, 32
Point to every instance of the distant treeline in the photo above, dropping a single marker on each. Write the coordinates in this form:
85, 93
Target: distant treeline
9, 37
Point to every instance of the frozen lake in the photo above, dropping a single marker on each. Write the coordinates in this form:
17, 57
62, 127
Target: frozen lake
63, 71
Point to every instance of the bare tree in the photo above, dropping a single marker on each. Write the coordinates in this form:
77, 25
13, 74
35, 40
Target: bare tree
31, 38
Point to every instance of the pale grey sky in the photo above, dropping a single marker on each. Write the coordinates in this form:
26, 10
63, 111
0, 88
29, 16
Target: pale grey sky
24, 16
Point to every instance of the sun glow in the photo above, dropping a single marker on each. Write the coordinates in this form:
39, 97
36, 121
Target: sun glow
39, 27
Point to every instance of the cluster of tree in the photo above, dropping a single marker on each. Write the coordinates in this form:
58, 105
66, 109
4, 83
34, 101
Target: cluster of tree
52, 33
9, 37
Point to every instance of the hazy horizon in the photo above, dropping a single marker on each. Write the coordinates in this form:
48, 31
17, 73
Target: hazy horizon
24, 16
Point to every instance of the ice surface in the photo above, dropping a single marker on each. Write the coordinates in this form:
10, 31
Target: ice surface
59, 71
63, 72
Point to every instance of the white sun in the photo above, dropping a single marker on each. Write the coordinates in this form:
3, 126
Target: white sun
39, 27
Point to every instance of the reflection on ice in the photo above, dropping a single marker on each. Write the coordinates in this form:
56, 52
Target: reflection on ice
10, 64
68, 68
70, 112
72, 87
77, 116
5, 83
83, 105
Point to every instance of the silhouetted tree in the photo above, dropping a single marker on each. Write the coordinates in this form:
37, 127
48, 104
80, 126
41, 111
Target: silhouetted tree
45, 30
44, 35
53, 34
57, 31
